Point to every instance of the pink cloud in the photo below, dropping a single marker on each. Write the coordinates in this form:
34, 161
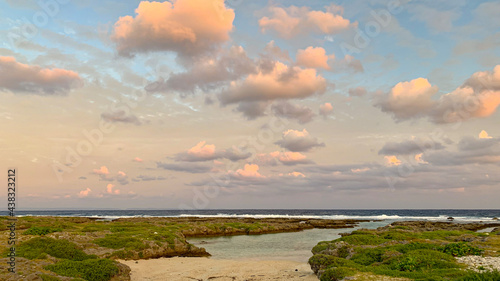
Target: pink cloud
290, 158
292, 21
360, 170
314, 57
298, 141
137, 159
249, 171
187, 27
109, 188
202, 150
409, 99
325, 109
392, 160
278, 82
84, 193
418, 158
19, 77
102, 171
297, 174
484, 135
206, 152
478, 97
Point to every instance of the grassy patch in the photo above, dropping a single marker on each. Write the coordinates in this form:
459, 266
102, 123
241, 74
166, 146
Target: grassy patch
461, 249
426, 255
361, 238
337, 273
322, 262
40, 247
92, 269
321, 246
41, 230
117, 242
423, 260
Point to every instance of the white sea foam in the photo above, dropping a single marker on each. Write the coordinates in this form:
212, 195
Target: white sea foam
343, 217
382, 217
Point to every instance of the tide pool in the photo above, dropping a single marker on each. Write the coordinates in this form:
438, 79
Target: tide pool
294, 246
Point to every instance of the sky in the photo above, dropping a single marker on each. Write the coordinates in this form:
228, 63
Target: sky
205, 104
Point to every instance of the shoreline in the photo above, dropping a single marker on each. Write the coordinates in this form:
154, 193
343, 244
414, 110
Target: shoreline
146, 245
192, 268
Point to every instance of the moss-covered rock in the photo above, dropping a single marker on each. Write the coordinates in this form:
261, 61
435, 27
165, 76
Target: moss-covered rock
414, 250
336, 273
339, 249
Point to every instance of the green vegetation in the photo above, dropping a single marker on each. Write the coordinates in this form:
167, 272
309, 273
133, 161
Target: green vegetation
363, 238
400, 252
337, 273
123, 254
125, 238
117, 242
322, 262
42, 230
40, 247
73, 262
462, 249
92, 269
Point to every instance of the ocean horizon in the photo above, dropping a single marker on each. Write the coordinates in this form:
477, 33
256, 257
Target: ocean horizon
464, 215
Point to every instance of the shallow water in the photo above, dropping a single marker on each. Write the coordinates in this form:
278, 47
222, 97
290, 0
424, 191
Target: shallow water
295, 246
486, 230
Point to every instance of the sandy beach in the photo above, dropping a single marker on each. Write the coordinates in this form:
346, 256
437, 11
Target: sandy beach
204, 269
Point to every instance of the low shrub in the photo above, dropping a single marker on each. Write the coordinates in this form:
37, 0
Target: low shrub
337, 273
408, 263
368, 256
461, 249
405, 248
343, 252
40, 247
423, 259
116, 242
92, 270
363, 239
320, 247
41, 230
321, 262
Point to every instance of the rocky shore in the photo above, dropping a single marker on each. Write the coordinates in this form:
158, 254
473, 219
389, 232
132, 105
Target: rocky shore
64, 248
481, 264
132, 239
420, 250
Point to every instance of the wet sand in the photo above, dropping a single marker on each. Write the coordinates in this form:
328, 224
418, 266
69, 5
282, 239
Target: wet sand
206, 269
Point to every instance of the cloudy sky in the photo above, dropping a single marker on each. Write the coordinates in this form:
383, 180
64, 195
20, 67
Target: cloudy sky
251, 104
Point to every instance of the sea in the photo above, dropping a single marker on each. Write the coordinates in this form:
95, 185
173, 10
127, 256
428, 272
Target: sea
294, 246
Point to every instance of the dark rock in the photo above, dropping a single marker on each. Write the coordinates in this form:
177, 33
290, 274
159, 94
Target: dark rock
431, 226
123, 273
